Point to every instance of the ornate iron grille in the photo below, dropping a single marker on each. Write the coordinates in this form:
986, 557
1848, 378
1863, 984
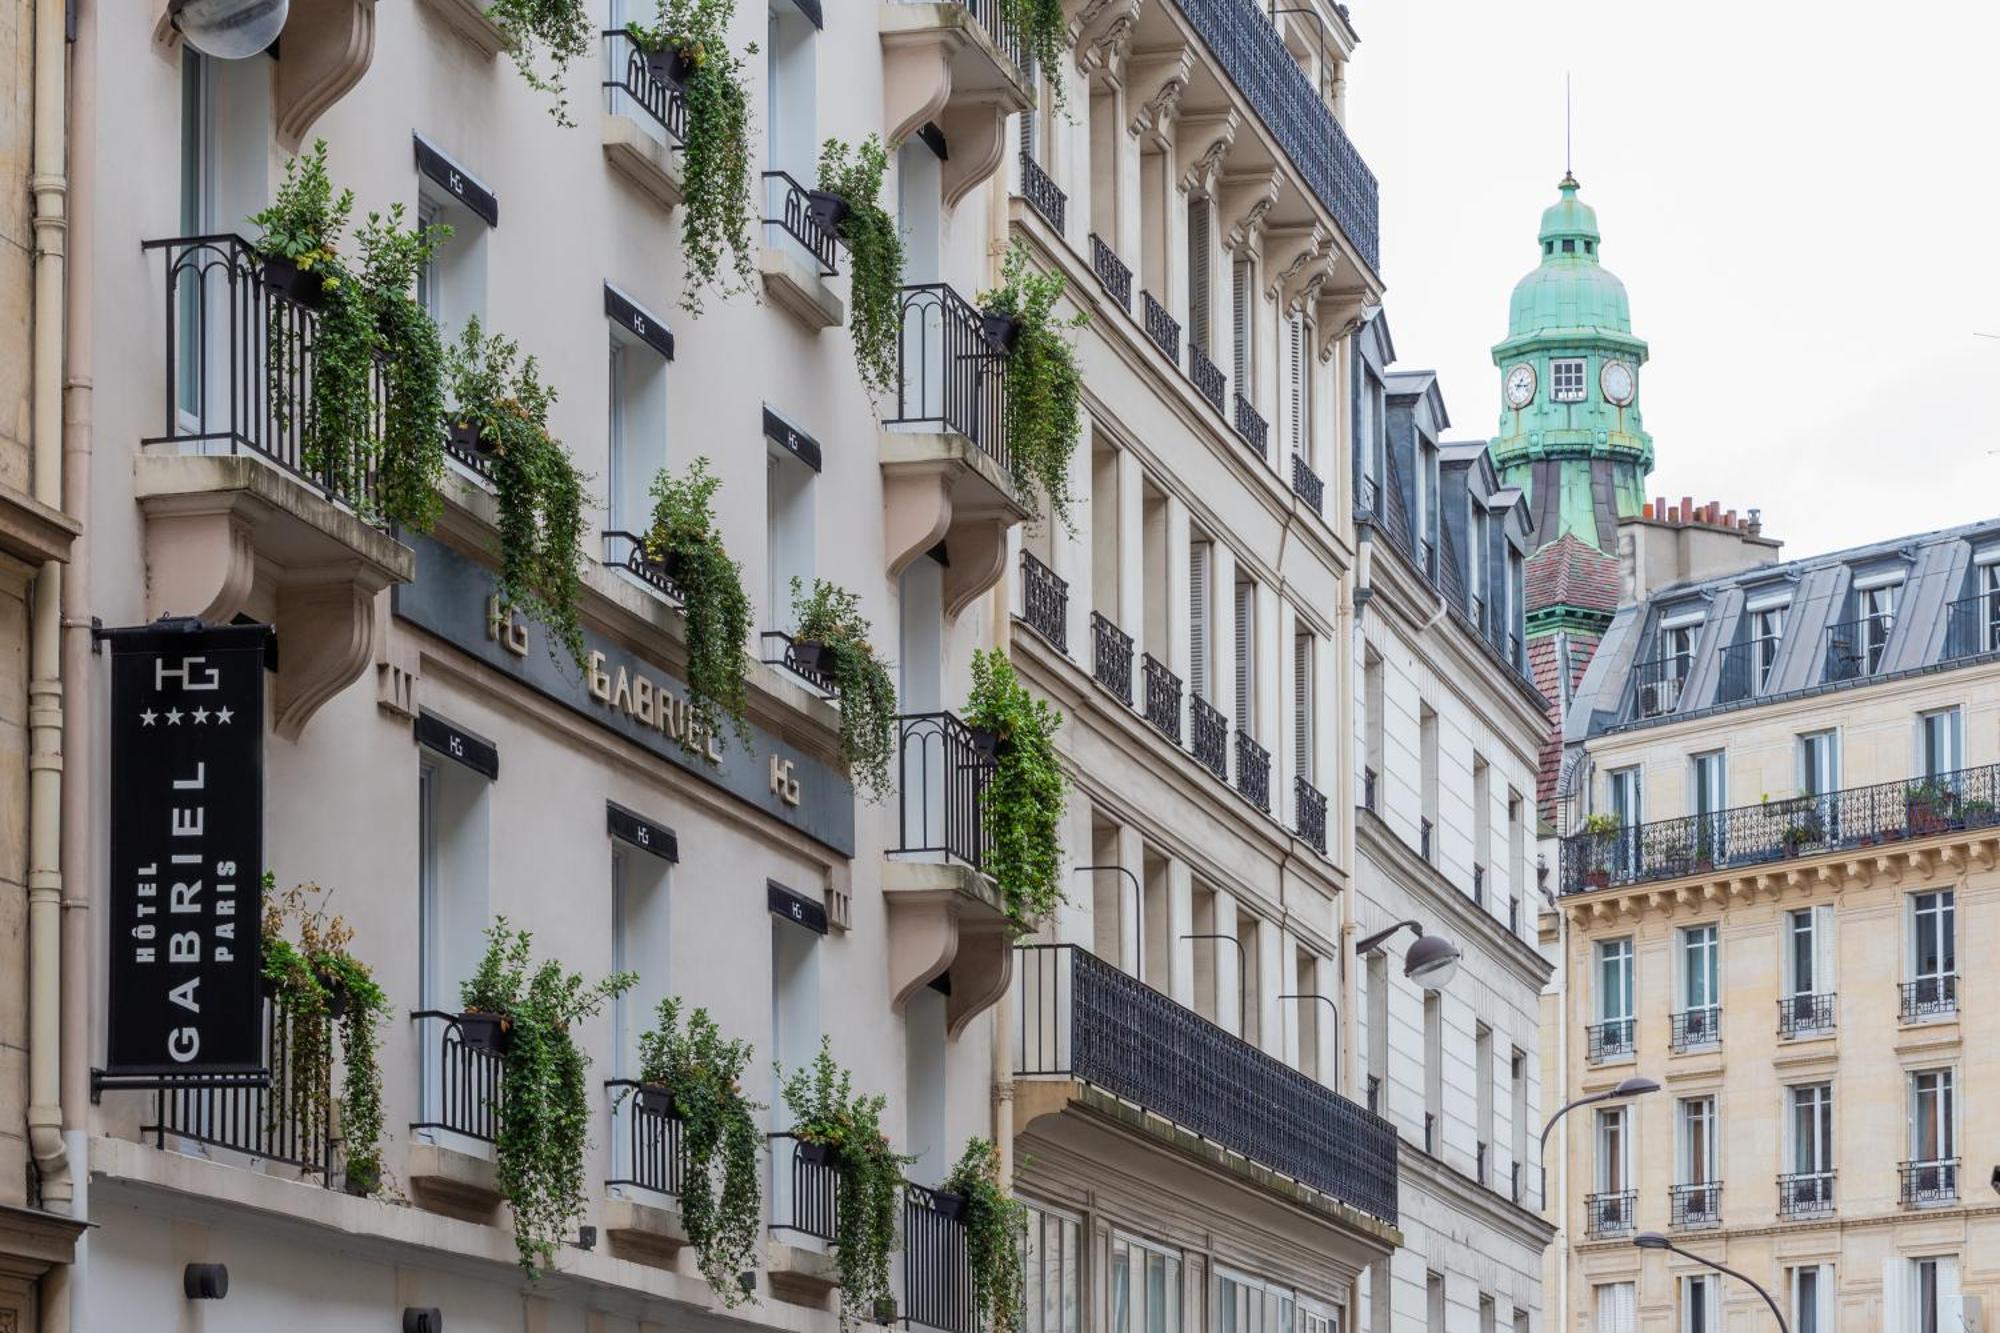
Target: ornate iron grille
1806, 1015
1309, 814
463, 1085
1609, 1039
1609, 1214
1972, 627
950, 377
1111, 272
1927, 1184
1697, 1027
1253, 771
810, 1200
1161, 327
1251, 426
937, 1268
1208, 378
1737, 677
279, 1115
942, 768
1163, 698
1695, 1206
1045, 602
1111, 657
1746, 835
1805, 1194
1208, 731
657, 96
1307, 485
653, 1155
627, 551
1928, 997
1079, 1017
780, 649
1039, 189
795, 219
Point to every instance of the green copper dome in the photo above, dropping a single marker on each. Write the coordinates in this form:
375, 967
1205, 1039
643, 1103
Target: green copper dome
1571, 290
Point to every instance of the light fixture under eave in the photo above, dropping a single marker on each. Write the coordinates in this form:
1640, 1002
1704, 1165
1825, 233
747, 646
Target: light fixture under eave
229, 29
1432, 961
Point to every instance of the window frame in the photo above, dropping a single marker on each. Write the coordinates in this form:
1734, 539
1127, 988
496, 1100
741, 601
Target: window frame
1569, 379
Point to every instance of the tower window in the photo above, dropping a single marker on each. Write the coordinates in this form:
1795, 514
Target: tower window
1566, 380
1590, 247
1548, 247
1569, 245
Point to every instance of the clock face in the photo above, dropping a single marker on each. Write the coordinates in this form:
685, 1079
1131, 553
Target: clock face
1521, 385
1617, 381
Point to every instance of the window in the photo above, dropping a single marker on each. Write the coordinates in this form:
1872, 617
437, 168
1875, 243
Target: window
1517, 852
430, 279
1298, 397
791, 137
1940, 734
1243, 312
1246, 657
1819, 763
1488, 1315
1767, 635
1699, 975
1566, 379
1475, 559
1625, 802
636, 430
1434, 1312
1809, 952
640, 921
453, 826
1617, 1307
1427, 737
1146, 1288
1878, 617
1989, 608
1614, 980
789, 523
1697, 1128
1676, 653
1921, 1295
1373, 703
1812, 1298
1052, 1269
1427, 505
1482, 1073
1701, 1304
1482, 835
1932, 1116
1709, 779
1933, 941
1517, 1082
1614, 1164
1433, 1072
1810, 1126
1366, 446
1302, 706
1199, 633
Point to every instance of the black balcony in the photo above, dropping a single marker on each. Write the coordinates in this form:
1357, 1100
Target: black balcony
1161, 327
1163, 698
1309, 814
1207, 377
1111, 657
627, 551
950, 378
276, 1115
1806, 1015
1112, 274
1805, 1194
806, 1193
1425, 830
1039, 189
1972, 627
1208, 736
654, 94
1368, 788
462, 1082
240, 359
1079, 1017
1609, 1040
1610, 1214
1479, 886
1929, 1184
1254, 55
1928, 997
937, 1267
1743, 670
778, 649
1253, 771
942, 768
795, 219
1656, 686
1694, 1207
1855, 648
1045, 602
1307, 485
650, 1152
1696, 1028
1748, 835
1254, 430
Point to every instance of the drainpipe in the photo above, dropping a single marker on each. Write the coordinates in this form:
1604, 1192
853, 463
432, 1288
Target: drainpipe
1346, 626
1001, 600
49, 186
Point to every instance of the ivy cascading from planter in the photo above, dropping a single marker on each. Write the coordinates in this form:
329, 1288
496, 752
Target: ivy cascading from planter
832, 628
995, 1222
1022, 806
561, 30
1043, 413
852, 178
686, 542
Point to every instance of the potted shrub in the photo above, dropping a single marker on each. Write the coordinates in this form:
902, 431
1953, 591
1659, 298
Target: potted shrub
544, 1103
701, 1074
1977, 814
1928, 807
686, 541
851, 188
832, 628
1043, 413
828, 207
999, 328
1022, 805
995, 1222
544, 32
715, 202
411, 354
666, 63
299, 232
828, 1115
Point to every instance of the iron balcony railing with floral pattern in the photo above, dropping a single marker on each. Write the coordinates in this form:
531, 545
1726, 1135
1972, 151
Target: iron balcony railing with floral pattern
1208, 736
1807, 1015
1079, 1017
1608, 1040
1309, 814
1250, 424
1306, 484
1111, 657
1928, 997
1039, 189
1206, 376
1929, 1184
1253, 771
1163, 698
1112, 272
1161, 327
1045, 602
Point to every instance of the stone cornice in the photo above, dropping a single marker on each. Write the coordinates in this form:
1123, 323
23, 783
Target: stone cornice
1418, 1170
1380, 844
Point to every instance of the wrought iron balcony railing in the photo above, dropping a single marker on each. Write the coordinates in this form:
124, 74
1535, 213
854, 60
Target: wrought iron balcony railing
1112, 272
1806, 1015
649, 1150
1744, 670
1805, 1194
280, 1116
1610, 1213
1309, 814
1856, 648
1007, 39
627, 551
462, 1080
950, 377
1609, 1040
1045, 602
1253, 771
1207, 377
1695, 1028
1161, 327
241, 358
1656, 686
805, 1189
788, 200
1374, 1094
1208, 736
1972, 627
1747, 835
1928, 1184
942, 768
937, 1265
632, 75
1306, 484
1514, 914
1111, 657
1256, 432
1928, 997
1039, 189
1163, 698
779, 649
1430, 1133
1696, 1206
1079, 1017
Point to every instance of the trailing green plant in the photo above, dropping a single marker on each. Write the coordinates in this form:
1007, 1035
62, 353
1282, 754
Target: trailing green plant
721, 1203
1044, 30
1021, 810
322, 989
875, 256
995, 1222
826, 1112
413, 366
831, 615
539, 487
544, 1105
1599, 824
1044, 402
559, 30
686, 541
715, 193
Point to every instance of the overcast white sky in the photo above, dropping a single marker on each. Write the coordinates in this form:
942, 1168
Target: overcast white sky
1800, 199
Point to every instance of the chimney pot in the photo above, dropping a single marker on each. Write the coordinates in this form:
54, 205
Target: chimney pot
1646, 510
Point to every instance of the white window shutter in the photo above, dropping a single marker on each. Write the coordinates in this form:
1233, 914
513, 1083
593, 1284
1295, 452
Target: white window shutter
1298, 385
1302, 721
1895, 1294
1825, 1298
1246, 627
1825, 950
1198, 634
1198, 261
1240, 314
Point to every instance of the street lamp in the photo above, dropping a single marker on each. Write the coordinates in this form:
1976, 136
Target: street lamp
1653, 1240
1432, 961
1630, 1087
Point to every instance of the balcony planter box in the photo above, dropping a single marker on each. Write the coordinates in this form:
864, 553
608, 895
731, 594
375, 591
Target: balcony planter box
655, 1099
674, 68
813, 657
828, 210
885, 1309
483, 1032
950, 1207
288, 280
1597, 879
336, 994
361, 1181
466, 438
1000, 330
818, 1154
985, 741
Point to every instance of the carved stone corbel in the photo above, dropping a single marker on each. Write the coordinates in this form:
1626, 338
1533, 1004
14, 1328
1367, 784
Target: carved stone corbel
1102, 45
326, 47
1247, 199
1288, 251
1157, 79
1201, 146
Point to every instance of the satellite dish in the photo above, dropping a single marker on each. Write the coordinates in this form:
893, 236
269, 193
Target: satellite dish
229, 29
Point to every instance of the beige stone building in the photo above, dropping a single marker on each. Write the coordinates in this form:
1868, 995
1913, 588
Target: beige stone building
1777, 889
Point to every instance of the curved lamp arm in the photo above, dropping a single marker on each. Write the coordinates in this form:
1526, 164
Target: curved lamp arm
1372, 942
1653, 1240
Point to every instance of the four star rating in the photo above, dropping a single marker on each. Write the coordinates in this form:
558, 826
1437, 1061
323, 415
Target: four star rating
199, 717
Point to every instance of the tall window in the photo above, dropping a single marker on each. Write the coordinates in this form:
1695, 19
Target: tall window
1940, 733
1617, 1307
1767, 635
1427, 504
1933, 1116
1146, 1288
1374, 701
1922, 1293
636, 429
1819, 763
1200, 634
1482, 1073
1812, 1298
1052, 1269
1433, 1072
453, 860
1989, 608
1614, 981
1933, 926
1566, 379
1676, 655
1628, 808
789, 539
1475, 558
1697, 1141
1302, 706
1199, 252
1709, 774
1242, 313
1809, 954
1614, 1148
1699, 974
1701, 1304
1810, 1128
1298, 396
1434, 1303
1427, 745
1878, 617
1246, 657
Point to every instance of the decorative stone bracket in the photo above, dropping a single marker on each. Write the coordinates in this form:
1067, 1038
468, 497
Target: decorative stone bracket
940, 488
324, 49
947, 918
940, 66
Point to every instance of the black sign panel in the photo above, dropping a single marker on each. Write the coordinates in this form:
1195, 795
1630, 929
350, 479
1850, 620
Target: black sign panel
810, 8
461, 184
642, 833
636, 320
434, 733
795, 441
796, 907
187, 849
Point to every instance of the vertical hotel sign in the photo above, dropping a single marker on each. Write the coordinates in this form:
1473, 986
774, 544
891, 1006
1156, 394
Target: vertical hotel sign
187, 833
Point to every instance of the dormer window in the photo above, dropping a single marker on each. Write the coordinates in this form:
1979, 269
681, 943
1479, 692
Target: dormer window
1566, 379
